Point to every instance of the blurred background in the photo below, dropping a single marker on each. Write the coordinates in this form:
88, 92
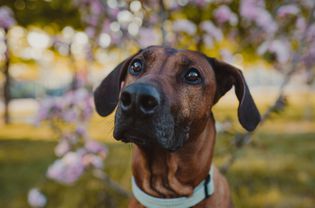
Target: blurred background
55, 151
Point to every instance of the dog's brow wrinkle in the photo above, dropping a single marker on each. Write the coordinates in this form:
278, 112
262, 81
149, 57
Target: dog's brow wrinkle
147, 54
170, 51
185, 61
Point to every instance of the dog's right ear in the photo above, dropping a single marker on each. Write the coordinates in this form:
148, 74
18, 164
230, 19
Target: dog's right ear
106, 94
227, 76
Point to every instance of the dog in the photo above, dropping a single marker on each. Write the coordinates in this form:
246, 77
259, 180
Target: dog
164, 100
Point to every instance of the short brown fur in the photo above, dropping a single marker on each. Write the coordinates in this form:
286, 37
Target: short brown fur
166, 174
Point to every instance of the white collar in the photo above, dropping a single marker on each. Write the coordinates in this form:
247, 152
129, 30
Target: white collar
201, 192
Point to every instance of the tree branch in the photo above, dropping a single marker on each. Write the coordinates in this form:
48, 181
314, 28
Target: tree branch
280, 101
163, 17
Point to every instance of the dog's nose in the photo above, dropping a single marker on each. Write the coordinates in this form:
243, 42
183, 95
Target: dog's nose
140, 97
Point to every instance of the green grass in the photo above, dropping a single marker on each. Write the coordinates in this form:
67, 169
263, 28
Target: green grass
275, 171
22, 165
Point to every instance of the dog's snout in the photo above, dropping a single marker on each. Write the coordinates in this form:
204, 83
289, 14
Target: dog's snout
140, 98
126, 101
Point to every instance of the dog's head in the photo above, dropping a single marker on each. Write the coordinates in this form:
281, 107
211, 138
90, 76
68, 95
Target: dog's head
164, 96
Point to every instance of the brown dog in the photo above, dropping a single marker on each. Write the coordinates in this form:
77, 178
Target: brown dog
164, 98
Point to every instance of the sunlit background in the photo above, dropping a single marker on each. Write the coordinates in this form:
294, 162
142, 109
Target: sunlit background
56, 152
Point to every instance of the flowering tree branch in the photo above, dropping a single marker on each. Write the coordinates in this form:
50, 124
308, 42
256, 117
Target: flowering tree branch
112, 184
280, 102
7, 79
6, 21
163, 13
111, 24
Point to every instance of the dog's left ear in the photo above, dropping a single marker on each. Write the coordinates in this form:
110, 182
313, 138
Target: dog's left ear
106, 94
227, 76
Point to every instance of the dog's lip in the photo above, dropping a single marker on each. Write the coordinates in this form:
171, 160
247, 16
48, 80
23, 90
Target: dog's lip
134, 138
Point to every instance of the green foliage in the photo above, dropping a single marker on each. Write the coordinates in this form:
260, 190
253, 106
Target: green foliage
276, 171
50, 14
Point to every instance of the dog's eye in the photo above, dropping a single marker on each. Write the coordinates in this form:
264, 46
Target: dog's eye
192, 76
135, 68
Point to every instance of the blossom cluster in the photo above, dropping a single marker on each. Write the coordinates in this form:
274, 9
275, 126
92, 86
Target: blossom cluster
36, 198
276, 33
114, 22
6, 17
76, 151
72, 165
111, 23
74, 106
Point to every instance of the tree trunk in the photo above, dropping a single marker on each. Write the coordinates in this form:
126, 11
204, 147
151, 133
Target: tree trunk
163, 13
7, 81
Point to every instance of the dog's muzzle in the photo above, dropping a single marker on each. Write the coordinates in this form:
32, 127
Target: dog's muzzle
144, 117
140, 100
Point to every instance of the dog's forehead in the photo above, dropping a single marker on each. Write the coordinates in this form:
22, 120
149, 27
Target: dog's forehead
161, 52
180, 57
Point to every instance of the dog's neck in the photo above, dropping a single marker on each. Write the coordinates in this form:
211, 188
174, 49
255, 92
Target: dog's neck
172, 174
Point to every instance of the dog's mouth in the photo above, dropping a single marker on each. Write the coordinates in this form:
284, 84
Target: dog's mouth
133, 137
159, 131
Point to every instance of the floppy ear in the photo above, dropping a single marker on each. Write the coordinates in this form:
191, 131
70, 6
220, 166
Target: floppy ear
227, 76
106, 94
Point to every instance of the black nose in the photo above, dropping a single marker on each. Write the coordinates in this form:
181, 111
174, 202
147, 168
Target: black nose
140, 98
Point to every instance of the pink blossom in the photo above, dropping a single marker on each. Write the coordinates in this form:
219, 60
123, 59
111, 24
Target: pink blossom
90, 31
250, 8
309, 58
154, 19
253, 10
224, 14
97, 162
70, 115
212, 30
81, 131
263, 48
172, 5
81, 95
106, 26
226, 55
199, 2
280, 47
49, 108
36, 198
300, 24
290, 9
265, 21
67, 169
81, 152
96, 7
113, 12
208, 40
92, 20
307, 3
71, 138
92, 160
311, 32
147, 36
183, 25
62, 148
44, 108
95, 147
6, 17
